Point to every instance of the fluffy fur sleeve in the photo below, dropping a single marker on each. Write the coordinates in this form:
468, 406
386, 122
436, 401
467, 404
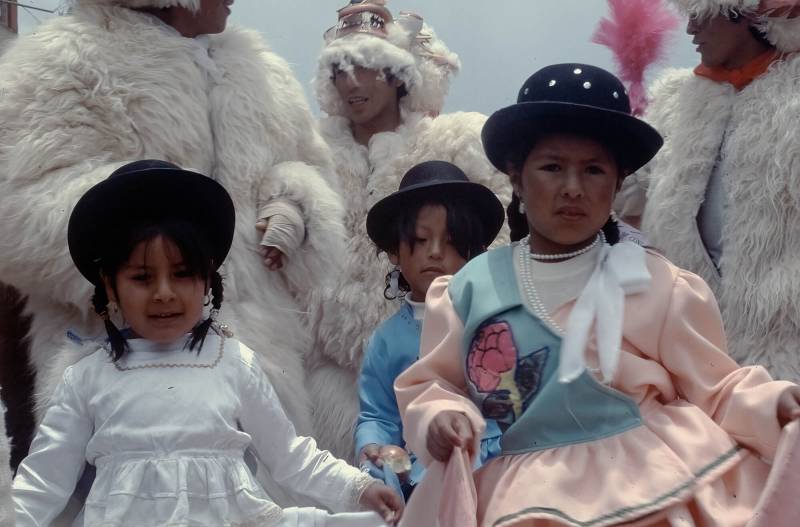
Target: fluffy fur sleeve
303, 169
6, 505
456, 137
322, 212
663, 94
64, 129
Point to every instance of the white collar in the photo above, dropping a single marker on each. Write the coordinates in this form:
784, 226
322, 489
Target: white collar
418, 308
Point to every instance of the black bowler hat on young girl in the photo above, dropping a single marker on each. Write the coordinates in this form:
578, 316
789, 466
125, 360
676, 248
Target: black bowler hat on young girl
147, 191
431, 180
571, 98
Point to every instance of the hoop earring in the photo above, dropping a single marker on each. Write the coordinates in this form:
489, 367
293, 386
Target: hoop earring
394, 282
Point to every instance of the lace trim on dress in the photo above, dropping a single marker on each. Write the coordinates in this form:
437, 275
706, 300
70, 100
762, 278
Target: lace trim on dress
360, 484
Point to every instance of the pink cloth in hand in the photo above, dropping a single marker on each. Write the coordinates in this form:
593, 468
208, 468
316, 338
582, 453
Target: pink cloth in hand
780, 504
447, 493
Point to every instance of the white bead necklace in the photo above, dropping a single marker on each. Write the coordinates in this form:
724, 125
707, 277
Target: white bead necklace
600, 238
529, 284
532, 299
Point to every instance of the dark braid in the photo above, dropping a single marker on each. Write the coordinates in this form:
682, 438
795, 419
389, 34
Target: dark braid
119, 346
201, 330
611, 231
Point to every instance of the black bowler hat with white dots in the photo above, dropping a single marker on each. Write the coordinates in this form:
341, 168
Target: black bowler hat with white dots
571, 98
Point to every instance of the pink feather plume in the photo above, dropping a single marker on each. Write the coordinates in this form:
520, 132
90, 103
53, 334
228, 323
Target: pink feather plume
636, 31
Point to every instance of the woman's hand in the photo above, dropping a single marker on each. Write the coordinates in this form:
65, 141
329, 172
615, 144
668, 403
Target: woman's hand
383, 500
789, 405
448, 430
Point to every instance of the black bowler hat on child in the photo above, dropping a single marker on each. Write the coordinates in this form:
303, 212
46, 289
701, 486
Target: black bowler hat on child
571, 98
428, 181
147, 191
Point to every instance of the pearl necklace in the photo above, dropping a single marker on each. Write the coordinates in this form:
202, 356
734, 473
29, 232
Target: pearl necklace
532, 299
563, 256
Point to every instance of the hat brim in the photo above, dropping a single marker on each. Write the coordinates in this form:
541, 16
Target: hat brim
633, 141
380, 219
123, 201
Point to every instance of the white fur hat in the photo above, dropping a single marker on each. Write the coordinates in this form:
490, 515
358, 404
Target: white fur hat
406, 47
193, 5
781, 30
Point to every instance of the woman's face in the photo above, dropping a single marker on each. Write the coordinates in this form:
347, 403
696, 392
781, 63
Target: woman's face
567, 184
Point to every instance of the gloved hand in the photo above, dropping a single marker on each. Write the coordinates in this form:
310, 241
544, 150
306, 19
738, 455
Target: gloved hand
284, 231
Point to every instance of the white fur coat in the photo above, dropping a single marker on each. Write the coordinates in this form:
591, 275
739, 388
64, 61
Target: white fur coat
758, 287
6, 505
346, 317
108, 85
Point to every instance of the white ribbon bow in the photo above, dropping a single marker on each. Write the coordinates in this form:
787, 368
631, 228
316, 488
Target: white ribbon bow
621, 270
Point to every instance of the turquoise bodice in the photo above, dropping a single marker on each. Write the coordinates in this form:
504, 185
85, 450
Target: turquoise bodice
511, 362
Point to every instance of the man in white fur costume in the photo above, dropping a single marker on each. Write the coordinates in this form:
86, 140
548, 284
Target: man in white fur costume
723, 195
382, 82
120, 80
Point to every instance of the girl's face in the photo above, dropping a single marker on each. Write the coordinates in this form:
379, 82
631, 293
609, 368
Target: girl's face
433, 254
568, 184
159, 298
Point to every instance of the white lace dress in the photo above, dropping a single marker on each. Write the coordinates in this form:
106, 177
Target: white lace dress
167, 430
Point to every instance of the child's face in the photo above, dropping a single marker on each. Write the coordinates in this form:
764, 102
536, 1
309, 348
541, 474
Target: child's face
157, 296
433, 254
568, 184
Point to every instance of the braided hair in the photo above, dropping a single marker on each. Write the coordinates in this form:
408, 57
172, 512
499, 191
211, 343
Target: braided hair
197, 257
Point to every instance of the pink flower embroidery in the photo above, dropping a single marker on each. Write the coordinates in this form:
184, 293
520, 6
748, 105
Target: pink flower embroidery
492, 353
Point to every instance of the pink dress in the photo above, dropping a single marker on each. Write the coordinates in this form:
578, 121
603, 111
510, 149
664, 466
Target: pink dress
700, 457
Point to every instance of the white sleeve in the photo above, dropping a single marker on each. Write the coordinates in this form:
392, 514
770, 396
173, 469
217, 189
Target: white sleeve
295, 462
46, 478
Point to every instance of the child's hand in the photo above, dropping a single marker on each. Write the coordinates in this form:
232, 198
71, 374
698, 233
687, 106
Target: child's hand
789, 405
383, 500
370, 452
449, 429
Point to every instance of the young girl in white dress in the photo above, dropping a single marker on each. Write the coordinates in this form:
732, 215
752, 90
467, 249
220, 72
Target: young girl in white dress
167, 406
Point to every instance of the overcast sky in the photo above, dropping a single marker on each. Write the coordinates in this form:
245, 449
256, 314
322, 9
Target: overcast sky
500, 42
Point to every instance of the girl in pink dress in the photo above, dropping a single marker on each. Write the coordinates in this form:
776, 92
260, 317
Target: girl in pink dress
604, 364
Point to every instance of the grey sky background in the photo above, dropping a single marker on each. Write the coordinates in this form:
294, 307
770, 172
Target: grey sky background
500, 42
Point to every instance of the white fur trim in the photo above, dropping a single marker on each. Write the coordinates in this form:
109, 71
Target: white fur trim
758, 286
430, 96
193, 5
704, 8
363, 50
782, 32
427, 82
